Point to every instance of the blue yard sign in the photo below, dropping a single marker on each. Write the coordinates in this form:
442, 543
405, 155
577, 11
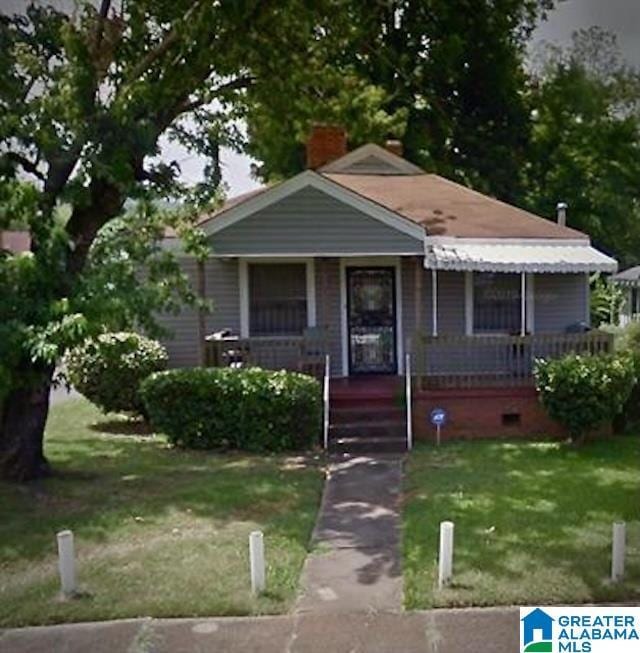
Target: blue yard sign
438, 417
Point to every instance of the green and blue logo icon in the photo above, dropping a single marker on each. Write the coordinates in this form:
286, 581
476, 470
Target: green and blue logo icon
536, 633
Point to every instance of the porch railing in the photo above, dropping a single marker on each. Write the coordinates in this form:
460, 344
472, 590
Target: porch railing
293, 353
474, 361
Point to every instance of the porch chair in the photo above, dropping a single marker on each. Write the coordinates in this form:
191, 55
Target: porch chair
313, 349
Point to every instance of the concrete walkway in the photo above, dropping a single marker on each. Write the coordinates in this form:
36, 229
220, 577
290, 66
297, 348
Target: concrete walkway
437, 631
355, 564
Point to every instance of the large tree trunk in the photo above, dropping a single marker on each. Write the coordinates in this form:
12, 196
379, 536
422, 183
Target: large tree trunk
23, 419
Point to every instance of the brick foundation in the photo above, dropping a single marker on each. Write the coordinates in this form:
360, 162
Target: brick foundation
484, 413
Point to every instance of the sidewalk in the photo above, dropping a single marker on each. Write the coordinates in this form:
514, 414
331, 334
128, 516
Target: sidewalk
438, 631
355, 563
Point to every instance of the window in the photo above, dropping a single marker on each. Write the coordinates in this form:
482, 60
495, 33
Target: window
635, 302
496, 303
277, 299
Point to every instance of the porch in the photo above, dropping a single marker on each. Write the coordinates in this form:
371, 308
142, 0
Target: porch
461, 327
436, 362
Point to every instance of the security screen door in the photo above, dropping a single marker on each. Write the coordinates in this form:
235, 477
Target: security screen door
371, 313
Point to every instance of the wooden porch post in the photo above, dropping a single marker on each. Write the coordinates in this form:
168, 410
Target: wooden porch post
419, 272
434, 301
523, 303
202, 326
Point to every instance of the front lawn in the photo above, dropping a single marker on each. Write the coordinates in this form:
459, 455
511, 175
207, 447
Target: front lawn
532, 521
159, 532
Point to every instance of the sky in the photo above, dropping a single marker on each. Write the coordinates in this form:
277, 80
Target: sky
619, 16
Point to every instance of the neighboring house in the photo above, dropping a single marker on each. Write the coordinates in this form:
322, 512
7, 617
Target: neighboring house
629, 282
15, 241
368, 258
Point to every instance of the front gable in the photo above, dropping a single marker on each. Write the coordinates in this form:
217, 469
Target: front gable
311, 215
311, 222
371, 159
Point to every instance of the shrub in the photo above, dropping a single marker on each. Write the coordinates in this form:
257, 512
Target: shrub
249, 409
628, 338
628, 341
582, 392
108, 369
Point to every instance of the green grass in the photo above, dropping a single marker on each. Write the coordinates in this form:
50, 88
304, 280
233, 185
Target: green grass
532, 522
159, 532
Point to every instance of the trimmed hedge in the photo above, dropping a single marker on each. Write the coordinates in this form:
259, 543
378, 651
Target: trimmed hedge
108, 369
249, 409
583, 392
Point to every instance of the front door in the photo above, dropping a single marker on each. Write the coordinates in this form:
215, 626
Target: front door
371, 320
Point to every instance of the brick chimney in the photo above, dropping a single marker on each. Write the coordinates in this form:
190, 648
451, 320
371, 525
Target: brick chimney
394, 146
326, 144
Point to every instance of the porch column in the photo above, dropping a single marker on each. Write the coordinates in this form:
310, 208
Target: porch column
523, 303
419, 272
202, 318
434, 301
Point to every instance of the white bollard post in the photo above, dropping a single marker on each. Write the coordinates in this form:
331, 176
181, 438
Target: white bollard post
256, 559
618, 551
67, 562
445, 560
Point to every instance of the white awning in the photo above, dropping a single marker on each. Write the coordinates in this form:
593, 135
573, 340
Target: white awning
512, 257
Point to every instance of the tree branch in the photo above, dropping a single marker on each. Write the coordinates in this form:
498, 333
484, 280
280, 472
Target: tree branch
102, 15
60, 168
234, 85
26, 164
170, 38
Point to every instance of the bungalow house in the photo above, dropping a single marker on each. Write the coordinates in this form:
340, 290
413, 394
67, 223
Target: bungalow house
390, 272
629, 283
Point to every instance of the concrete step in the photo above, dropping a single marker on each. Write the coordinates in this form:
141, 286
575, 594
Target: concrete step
378, 444
395, 428
373, 413
368, 403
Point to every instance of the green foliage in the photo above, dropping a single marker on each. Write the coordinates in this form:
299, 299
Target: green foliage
583, 392
628, 342
606, 300
628, 338
141, 276
585, 142
108, 369
90, 94
249, 409
417, 70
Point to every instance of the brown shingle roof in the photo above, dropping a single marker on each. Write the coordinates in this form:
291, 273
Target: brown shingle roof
445, 208
441, 206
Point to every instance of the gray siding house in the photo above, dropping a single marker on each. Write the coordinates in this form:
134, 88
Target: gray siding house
380, 265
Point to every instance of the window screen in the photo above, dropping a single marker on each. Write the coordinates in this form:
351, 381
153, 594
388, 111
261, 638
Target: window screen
277, 299
496, 303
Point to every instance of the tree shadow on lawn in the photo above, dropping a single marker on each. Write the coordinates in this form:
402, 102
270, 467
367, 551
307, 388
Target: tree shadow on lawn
122, 426
547, 506
103, 485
